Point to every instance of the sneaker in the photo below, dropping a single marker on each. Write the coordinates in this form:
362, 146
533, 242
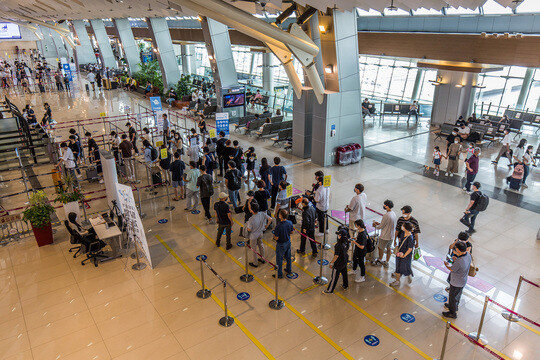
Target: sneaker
464, 222
326, 292
261, 261
471, 231
446, 306
384, 263
229, 246
464, 189
448, 314
395, 283
314, 255
300, 252
375, 263
218, 244
451, 174
525, 185
253, 264
279, 277
445, 174
409, 279
344, 287
360, 279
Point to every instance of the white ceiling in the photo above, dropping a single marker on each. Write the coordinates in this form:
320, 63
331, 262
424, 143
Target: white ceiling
84, 9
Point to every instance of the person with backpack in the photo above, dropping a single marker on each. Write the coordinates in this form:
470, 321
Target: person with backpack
238, 157
479, 202
206, 188
362, 245
307, 229
220, 149
209, 162
277, 174
233, 181
150, 153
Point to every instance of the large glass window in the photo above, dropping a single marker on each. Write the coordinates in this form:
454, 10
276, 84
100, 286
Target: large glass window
460, 11
242, 59
500, 89
532, 102
529, 6
493, 7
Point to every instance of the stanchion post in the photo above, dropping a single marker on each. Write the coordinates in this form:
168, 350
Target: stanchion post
478, 334
226, 320
321, 280
247, 277
325, 227
168, 207
507, 314
138, 265
141, 214
445, 340
204, 292
276, 303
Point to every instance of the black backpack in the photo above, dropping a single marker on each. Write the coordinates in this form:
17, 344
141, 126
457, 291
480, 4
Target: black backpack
153, 153
236, 180
483, 202
370, 244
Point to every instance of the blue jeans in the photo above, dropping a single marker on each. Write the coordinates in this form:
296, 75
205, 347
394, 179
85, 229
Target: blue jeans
283, 249
233, 195
526, 169
471, 217
470, 179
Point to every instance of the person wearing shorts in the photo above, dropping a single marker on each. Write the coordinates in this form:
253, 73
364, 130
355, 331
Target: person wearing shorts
388, 231
177, 172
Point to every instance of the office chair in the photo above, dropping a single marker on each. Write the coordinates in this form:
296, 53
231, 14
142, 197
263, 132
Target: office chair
73, 239
92, 248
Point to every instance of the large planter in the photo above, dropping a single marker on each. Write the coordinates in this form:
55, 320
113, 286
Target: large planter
44, 235
71, 207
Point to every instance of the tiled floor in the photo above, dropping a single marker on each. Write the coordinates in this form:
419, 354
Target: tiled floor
51, 307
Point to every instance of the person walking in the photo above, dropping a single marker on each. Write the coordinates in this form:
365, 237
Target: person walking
359, 252
505, 149
192, 190
459, 273
471, 212
322, 199
224, 219
472, 169
307, 229
528, 160
282, 235
406, 216
205, 184
387, 235
233, 181
277, 174
256, 225
339, 262
404, 254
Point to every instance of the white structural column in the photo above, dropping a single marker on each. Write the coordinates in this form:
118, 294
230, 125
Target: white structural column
84, 51
104, 45
268, 72
48, 46
161, 37
61, 47
189, 60
454, 97
127, 41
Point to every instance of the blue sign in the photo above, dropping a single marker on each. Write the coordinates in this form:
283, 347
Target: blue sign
440, 298
195, 212
292, 276
240, 244
67, 71
371, 340
222, 123
155, 103
408, 318
162, 221
324, 262
199, 257
243, 296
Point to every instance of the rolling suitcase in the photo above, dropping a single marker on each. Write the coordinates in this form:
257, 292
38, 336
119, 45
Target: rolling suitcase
513, 183
92, 174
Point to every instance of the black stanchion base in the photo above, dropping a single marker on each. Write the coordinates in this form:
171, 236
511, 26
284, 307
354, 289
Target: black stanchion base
170, 208
320, 280
138, 266
276, 304
246, 278
226, 321
204, 294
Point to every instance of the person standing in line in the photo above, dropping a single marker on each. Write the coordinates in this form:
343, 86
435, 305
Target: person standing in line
339, 262
209, 159
307, 229
406, 216
238, 157
66, 83
469, 218
92, 145
205, 183
282, 235
452, 154
91, 77
192, 190
322, 199
76, 149
68, 159
115, 146
247, 210
505, 149
282, 201
528, 159
224, 219
277, 175
47, 117
166, 131
359, 252
262, 195
459, 273
387, 235
256, 225
233, 181
220, 150
251, 158
472, 169
264, 174
177, 177
132, 137
404, 254
126, 149
357, 206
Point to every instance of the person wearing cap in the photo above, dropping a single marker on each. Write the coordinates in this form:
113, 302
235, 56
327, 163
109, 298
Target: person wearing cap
339, 262
255, 227
472, 169
132, 133
224, 219
307, 228
282, 235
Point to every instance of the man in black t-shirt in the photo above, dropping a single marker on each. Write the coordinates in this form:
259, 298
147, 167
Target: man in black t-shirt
132, 137
220, 148
471, 213
262, 195
233, 180
224, 220
407, 217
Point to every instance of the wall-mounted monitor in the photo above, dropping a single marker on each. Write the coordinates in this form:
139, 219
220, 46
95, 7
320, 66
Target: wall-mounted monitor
9, 31
231, 100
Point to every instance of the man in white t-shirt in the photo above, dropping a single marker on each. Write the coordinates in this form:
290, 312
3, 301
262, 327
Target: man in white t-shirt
357, 206
464, 131
91, 77
322, 199
505, 149
68, 159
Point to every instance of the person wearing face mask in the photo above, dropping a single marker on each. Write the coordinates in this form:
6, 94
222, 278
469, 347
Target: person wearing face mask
453, 157
505, 149
404, 254
472, 169
357, 206
450, 139
339, 262
308, 228
388, 230
406, 217
459, 271
528, 160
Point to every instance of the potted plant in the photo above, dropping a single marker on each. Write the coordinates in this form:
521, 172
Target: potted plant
69, 196
38, 213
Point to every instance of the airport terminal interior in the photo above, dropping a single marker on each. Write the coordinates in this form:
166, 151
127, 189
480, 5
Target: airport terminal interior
398, 216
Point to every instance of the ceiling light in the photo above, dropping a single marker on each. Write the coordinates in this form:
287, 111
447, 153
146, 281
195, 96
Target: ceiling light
329, 69
149, 7
459, 85
322, 29
199, 18
392, 7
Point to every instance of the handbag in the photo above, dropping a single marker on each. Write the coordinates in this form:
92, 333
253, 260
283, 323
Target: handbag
417, 254
472, 268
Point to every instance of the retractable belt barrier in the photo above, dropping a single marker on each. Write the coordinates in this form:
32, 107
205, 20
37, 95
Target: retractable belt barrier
510, 314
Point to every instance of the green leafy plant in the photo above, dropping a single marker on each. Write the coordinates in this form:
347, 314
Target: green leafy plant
150, 72
65, 197
183, 87
39, 211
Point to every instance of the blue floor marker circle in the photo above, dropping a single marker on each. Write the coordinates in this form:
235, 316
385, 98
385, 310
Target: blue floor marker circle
371, 340
198, 258
243, 296
162, 221
241, 244
225, 231
408, 318
440, 298
195, 212
292, 276
325, 262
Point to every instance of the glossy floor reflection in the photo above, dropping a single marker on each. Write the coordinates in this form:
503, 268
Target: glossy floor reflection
51, 307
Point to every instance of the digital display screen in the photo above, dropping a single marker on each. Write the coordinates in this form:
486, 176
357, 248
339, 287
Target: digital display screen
9, 31
231, 100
